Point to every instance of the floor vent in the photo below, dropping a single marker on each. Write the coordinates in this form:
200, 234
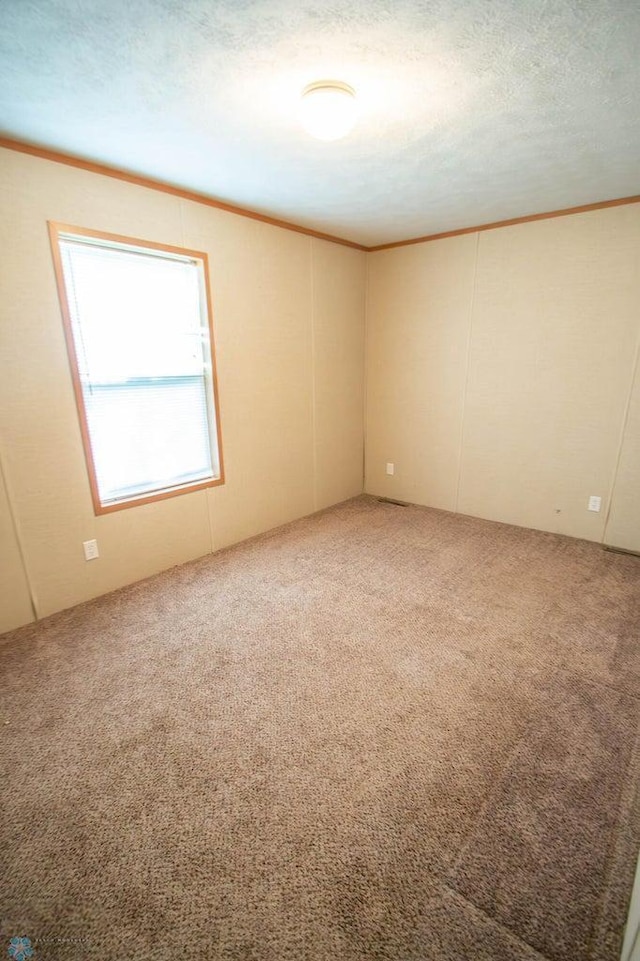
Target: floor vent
389, 500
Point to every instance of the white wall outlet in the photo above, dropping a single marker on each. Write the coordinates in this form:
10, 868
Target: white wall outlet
595, 503
391, 468
90, 550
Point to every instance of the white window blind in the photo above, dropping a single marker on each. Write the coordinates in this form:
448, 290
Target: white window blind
141, 335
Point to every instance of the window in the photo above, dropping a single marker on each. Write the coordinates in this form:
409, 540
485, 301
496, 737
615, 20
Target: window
140, 342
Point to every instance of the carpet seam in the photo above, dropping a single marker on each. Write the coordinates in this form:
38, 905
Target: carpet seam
495, 921
614, 857
491, 792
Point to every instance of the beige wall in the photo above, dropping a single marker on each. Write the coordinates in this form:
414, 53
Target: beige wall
500, 381
419, 302
15, 603
499, 367
623, 525
289, 326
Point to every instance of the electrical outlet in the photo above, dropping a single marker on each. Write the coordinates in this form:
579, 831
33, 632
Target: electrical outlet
391, 468
90, 550
595, 503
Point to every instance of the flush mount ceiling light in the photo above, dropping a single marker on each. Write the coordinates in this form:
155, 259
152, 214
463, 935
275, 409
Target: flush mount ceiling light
328, 109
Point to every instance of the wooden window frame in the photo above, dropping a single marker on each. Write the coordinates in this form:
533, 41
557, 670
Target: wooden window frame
57, 229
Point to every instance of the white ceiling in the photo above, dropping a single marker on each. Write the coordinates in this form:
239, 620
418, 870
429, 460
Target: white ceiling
472, 110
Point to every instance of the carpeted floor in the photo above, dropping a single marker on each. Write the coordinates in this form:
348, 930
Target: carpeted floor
376, 733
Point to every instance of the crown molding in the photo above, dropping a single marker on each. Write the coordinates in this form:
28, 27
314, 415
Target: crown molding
69, 160
564, 212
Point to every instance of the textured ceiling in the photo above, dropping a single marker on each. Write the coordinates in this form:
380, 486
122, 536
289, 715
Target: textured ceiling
472, 110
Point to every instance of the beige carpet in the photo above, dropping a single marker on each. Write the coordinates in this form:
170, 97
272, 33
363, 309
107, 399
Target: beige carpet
377, 733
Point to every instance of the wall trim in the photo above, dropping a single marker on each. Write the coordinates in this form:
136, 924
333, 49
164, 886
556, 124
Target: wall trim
564, 212
105, 170
97, 168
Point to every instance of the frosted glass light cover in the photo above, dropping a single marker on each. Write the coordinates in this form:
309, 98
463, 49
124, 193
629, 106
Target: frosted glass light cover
329, 110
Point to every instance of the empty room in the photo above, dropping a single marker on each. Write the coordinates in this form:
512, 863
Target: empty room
320, 480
